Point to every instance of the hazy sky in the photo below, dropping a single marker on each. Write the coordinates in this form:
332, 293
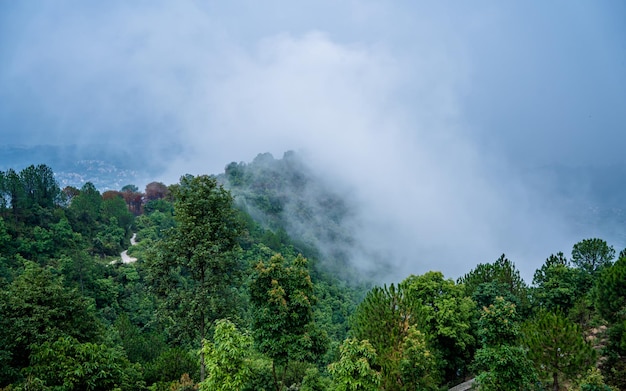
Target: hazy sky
428, 114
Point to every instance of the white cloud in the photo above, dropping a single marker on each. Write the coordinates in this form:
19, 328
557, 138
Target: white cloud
376, 96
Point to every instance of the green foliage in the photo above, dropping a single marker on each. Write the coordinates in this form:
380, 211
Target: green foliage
593, 381
314, 381
159, 205
558, 349
487, 281
502, 364
37, 308
504, 368
285, 197
70, 365
610, 300
115, 207
556, 284
418, 366
444, 314
141, 346
57, 288
85, 210
592, 255
611, 292
227, 358
170, 365
30, 195
282, 296
498, 324
354, 370
110, 239
383, 319
195, 268
389, 318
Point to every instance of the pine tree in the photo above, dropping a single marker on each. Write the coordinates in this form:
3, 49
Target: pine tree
557, 347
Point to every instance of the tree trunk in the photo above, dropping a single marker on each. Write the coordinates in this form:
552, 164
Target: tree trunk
201, 348
555, 381
274, 375
201, 366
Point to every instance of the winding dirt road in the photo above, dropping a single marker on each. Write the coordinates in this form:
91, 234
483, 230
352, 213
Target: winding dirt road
125, 257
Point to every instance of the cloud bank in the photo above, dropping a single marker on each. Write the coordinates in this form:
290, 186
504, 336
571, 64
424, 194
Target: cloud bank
425, 116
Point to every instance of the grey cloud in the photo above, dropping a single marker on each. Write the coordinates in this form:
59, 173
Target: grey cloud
434, 118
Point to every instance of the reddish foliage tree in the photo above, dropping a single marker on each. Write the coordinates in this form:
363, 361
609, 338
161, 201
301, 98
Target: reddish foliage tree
111, 194
156, 191
133, 199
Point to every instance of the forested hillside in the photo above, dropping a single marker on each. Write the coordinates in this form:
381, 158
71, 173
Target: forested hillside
242, 282
285, 197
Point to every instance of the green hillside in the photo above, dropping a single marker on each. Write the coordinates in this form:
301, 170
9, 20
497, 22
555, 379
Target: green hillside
244, 281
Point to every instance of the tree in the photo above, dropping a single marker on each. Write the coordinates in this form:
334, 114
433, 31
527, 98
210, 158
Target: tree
418, 365
85, 210
41, 193
592, 255
505, 368
593, 381
490, 280
610, 300
611, 292
502, 363
13, 194
70, 365
171, 364
444, 314
556, 284
227, 358
5, 252
558, 349
195, 267
282, 297
133, 198
114, 206
354, 371
389, 318
156, 191
384, 318
36, 307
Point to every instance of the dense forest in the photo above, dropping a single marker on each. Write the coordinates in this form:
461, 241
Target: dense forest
242, 281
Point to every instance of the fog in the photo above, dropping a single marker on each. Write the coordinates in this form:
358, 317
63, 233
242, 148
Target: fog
440, 123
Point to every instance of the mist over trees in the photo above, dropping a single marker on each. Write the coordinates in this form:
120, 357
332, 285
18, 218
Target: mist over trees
243, 282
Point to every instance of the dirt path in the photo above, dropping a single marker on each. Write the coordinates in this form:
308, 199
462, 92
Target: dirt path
125, 257
463, 386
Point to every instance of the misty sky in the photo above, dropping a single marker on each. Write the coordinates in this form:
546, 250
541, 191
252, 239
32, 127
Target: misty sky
428, 115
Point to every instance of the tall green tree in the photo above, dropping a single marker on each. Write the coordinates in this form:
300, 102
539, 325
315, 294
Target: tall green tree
611, 292
490, 280
354, 371
84, 210
41, 193
282, 297
556, 284
36, 307
444, 314
13, 195
389, 318
115, 206
501, 363
558, 349
227, 358
610, 300
592, 255
384, 318
67, 364
196, 267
